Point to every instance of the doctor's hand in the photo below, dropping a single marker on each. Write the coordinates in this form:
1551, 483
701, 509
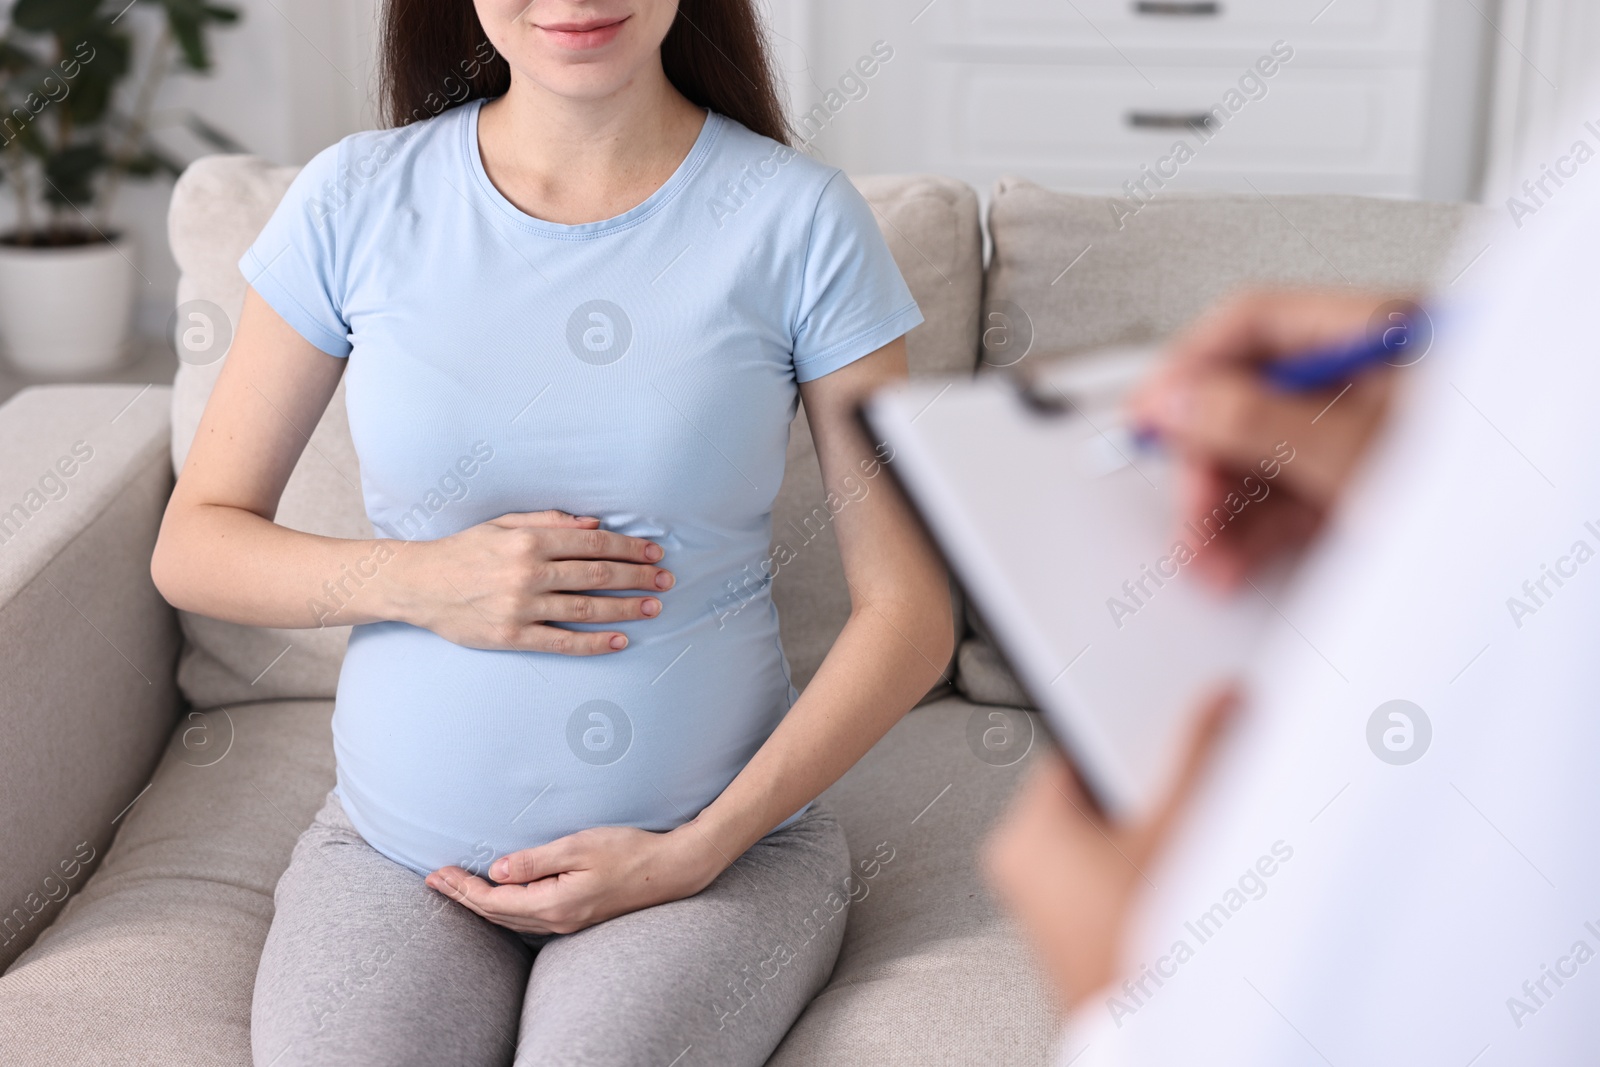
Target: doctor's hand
1283, 458
1070, 877
503, 583
585, 878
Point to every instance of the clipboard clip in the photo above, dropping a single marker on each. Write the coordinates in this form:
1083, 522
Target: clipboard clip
1043, 398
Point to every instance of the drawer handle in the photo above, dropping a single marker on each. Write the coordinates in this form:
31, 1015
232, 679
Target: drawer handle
1199, 8
1167, 120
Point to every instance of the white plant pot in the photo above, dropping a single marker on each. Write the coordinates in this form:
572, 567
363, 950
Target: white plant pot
66, 312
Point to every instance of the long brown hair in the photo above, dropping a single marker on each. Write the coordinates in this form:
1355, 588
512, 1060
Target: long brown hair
435, 57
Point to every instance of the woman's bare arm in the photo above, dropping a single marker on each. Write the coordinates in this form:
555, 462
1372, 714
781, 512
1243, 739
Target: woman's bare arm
219, 552
892, 650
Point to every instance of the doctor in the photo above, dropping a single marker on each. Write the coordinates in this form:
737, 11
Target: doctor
1385, 846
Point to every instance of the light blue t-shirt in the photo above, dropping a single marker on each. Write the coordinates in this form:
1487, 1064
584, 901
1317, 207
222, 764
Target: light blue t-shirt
642, 369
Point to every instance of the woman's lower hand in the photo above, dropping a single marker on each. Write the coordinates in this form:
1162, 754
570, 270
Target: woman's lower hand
503, 583
585, 878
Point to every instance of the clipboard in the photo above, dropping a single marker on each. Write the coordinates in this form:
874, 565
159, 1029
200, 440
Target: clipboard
1062, 531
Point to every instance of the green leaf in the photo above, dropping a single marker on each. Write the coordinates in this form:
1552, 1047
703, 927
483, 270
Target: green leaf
150, 162
112, 50
14, 59
71, 173
210, 134
224, 15
52, 16
191, 42
97, 78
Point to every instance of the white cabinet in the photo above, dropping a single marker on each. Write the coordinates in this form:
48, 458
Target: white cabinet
1104, 123
1382, 97
1179, 24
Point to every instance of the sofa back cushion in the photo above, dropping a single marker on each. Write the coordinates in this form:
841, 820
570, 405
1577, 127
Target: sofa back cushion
222, 202
1068, 272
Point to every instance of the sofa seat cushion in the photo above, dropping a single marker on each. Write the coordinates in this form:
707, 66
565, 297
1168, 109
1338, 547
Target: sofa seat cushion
931, 972
154, 960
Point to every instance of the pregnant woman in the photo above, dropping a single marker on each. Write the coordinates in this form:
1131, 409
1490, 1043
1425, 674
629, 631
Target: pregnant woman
575, 296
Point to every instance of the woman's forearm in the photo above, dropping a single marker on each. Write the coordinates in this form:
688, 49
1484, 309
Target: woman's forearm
885, 659
235, 565
506, 583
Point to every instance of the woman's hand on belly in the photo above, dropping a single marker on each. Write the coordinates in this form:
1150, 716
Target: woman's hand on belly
586, 878
502, 583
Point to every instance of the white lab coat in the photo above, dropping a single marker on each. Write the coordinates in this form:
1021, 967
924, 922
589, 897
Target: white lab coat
1446, 910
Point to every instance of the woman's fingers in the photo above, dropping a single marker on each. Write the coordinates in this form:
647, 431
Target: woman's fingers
501, 584
566, 543
542, 637
565, 607
580, 537
531, 864
516, 907
578, 576
553, 520
466, 889
601, 544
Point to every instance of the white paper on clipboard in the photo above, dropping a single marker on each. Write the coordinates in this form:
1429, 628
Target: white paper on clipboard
1064, 535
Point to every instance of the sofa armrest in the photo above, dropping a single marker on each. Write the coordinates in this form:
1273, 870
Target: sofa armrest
87, 645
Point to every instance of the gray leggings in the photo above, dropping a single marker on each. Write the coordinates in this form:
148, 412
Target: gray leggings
365, 964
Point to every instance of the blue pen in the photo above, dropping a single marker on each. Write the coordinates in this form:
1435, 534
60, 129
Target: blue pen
1327, 366
1409, 336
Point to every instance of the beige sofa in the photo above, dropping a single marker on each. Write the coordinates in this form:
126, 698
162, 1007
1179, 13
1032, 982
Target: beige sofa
156, 767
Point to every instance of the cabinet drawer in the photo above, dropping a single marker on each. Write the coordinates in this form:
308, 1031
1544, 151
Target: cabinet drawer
1364, 25
1110, 120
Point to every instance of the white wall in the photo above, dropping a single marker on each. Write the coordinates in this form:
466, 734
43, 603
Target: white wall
1548, 59
290, 78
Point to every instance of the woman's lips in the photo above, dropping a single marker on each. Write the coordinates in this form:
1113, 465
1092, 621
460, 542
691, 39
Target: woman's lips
580, 36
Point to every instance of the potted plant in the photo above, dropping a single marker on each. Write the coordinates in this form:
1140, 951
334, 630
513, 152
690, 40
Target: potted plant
67, 278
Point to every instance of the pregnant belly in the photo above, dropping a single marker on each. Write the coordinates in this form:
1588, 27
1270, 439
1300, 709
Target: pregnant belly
451, 755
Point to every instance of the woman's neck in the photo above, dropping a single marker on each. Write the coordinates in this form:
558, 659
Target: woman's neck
570, 161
